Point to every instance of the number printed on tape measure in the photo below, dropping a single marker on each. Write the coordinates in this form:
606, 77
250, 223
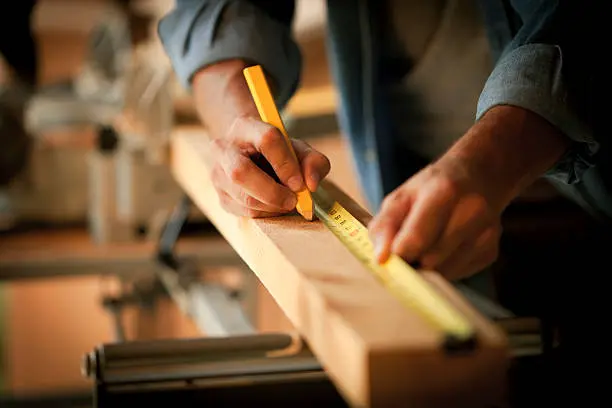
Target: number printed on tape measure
399, 277
395, 274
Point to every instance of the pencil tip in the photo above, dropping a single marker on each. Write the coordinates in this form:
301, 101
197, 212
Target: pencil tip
308, 215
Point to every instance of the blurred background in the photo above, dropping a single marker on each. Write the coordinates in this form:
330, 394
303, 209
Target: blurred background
83, 211
88, 207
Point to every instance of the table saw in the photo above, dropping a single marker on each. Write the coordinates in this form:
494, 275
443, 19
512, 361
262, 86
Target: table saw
263, 369
242, 367
251, 368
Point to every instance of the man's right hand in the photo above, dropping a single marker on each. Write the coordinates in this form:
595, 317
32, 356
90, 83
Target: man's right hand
241, 143
244, 187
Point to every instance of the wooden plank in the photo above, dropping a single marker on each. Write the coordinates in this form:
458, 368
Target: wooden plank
377, 352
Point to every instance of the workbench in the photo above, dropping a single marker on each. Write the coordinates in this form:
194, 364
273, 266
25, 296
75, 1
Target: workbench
353, 334
246, 367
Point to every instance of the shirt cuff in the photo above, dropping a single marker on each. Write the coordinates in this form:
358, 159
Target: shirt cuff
209, 32
530, 77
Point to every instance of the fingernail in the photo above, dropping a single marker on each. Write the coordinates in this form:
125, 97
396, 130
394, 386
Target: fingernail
295, 183
290, 203
381, 249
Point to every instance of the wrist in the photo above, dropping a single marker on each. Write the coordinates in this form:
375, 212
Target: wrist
221, 95
507, 150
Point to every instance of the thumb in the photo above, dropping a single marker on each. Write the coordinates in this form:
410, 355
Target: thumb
314, 164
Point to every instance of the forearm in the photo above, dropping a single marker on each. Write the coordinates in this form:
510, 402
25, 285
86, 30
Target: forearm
508, 149
221, 95
546, 70
208, 38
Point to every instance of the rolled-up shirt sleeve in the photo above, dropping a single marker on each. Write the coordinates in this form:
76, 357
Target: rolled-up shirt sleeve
541, 70
196, 34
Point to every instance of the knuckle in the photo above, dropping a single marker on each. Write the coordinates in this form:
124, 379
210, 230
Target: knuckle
374, 222
238, 173
478, 206
374, 226
278, 200
285, 168
491, 235
301, 146
269, 137
285, 162
414, 244
394, 198
446, 186
307, 149
380, 223
236, 126
387, 201
250, 201
251, 213
430, 260
217, 145
417, 244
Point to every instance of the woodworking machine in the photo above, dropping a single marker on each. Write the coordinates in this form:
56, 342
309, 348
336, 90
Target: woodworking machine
236, 371
238, 367
121, 186
266, 369
233, 366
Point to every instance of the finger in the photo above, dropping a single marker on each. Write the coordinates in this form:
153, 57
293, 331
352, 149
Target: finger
473, 256
425, 222
233, 207
385, 225
315, 165
469, 218
257, 183
222, 184
271, 143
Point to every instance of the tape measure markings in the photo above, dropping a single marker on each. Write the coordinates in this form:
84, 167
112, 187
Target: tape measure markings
403, 281
395, 274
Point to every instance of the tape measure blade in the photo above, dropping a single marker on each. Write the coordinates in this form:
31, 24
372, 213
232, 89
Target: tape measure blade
396, 275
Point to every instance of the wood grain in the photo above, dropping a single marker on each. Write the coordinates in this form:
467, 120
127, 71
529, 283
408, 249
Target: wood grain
376, 352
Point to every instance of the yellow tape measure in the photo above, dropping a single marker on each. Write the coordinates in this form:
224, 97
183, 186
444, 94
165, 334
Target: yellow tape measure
395, 274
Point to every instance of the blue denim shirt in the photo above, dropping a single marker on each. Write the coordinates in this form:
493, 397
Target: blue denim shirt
538, 50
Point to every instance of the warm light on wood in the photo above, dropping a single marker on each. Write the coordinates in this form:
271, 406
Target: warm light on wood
377, 353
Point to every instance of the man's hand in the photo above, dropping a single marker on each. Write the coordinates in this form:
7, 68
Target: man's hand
441, 220
246, 189
254, 172
447, 217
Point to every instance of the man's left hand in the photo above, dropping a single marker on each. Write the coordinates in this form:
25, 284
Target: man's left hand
447, 217
440, 219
